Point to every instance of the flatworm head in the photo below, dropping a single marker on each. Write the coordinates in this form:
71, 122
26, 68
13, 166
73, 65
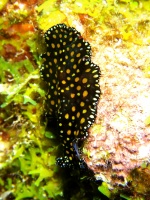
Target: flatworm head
73, 87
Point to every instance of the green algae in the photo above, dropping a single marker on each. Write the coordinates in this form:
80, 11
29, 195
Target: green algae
3, 4
104, 189
27, 162
49, 14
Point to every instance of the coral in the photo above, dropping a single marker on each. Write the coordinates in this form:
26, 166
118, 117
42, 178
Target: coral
119, 141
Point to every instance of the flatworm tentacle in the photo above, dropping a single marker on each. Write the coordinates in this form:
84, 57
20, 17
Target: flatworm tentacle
73, 86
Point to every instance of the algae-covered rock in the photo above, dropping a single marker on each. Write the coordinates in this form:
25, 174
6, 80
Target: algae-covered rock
27, 156
118, 147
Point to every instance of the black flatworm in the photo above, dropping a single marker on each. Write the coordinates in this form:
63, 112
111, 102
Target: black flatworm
73, 87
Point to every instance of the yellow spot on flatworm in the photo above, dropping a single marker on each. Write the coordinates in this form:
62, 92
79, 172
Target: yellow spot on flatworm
50, 63
58, 101
78, 114
54, 81
52, 102
96, 76
79, 61
72, 95
85, 93
48, 54
73, 108
68, 78
86, 63
67, 116
78, 55
53, 45
70, 124
84, 80
78, 87
88, 70
68, 71
66, 57
74, 66
76, 79
71, 85
82, 120
68, 132
72, 53
82, 103
73, 117
84, 111
67, 88
55, 60
55, 92
76, 133
63, 82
